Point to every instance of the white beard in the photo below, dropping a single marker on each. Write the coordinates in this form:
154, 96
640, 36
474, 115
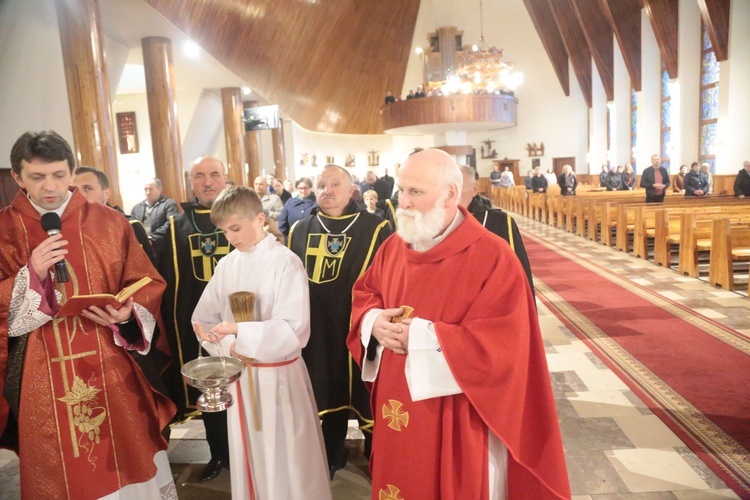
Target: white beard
417, 228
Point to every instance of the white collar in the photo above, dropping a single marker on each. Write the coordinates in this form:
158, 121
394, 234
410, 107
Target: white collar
59, 211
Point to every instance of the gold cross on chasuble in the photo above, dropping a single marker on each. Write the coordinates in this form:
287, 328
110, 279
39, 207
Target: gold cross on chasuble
393, 493
80, 415
395, 416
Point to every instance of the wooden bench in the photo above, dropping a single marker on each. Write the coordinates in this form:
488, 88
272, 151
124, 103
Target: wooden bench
695, 237
730, 243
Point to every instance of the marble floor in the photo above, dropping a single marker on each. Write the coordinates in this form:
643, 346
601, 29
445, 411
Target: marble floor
616, 448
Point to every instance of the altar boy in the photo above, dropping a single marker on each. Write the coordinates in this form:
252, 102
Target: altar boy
286, 457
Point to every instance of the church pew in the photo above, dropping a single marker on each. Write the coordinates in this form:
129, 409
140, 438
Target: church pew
730, 243
695, 237
647, 225
667, 227
627, 215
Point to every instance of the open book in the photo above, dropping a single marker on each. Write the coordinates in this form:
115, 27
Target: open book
77, 303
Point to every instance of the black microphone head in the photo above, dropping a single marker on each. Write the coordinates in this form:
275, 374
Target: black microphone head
51, 221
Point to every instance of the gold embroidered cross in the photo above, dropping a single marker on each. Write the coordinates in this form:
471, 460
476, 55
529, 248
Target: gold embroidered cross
393, 493
395, 415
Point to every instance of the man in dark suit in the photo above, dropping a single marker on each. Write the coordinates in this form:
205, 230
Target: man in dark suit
156, 209
655, 179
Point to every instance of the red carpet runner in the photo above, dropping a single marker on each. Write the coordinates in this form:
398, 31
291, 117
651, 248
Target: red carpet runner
691, 372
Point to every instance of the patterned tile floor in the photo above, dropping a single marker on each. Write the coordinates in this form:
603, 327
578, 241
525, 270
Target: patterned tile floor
615, 447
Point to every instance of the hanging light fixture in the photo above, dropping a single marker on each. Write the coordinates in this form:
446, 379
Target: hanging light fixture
484, 70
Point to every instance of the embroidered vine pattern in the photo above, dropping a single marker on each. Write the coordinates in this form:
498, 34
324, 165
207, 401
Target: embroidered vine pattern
88, 416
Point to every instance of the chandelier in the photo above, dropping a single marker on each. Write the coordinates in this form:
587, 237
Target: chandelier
483, 69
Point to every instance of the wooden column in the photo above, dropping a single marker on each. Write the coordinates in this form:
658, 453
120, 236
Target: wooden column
252, 148
88, 89
162, 112
277, 135
234, 131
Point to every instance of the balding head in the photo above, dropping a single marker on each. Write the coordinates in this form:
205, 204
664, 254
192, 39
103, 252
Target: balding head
746, 165
430, 186
261, 185
207, 179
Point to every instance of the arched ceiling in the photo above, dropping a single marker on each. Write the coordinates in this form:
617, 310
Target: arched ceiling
327, 63
578, 30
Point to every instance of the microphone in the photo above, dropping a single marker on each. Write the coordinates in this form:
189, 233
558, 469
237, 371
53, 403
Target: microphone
52, 224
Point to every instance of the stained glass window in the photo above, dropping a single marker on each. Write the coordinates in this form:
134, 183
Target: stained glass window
664, 83
666, 114
709, 102
708, 140
709, 68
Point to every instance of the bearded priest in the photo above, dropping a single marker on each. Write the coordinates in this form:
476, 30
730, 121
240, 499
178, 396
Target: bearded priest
82, 416
461, 394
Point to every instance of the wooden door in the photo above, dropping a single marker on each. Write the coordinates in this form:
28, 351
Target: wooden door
512, 166
558, 163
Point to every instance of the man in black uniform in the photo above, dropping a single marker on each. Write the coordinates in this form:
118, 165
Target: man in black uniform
495, 220
187, 250
336, 245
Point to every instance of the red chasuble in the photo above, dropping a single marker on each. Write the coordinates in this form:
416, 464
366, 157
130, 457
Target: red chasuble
89, 423
472, 287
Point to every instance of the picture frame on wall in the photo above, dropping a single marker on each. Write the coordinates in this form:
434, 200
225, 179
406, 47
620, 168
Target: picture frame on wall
127, 132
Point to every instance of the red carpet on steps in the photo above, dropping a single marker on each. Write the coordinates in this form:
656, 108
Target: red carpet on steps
692, 372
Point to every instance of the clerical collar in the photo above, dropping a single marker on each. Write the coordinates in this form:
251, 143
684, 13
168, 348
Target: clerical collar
423, 247
59, 211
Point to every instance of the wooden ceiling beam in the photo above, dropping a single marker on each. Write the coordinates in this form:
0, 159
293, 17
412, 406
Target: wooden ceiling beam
327, 63
546, 27
664, 17
598, 33
715, 14
625, 19
575, 43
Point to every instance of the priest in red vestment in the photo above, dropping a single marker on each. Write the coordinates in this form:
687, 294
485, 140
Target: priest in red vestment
75, 405
461, 394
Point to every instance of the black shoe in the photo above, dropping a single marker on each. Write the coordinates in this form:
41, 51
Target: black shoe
212, 469
336, 466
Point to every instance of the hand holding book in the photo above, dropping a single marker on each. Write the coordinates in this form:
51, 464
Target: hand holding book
77, 304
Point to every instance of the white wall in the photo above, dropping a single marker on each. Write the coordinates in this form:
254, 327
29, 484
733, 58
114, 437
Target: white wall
598, 122
33, 95
686, 106
340, 145
649, 98
734, 122
620, 146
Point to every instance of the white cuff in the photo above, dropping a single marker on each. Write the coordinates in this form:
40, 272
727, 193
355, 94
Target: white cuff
249, 336
427, 372
370, 367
